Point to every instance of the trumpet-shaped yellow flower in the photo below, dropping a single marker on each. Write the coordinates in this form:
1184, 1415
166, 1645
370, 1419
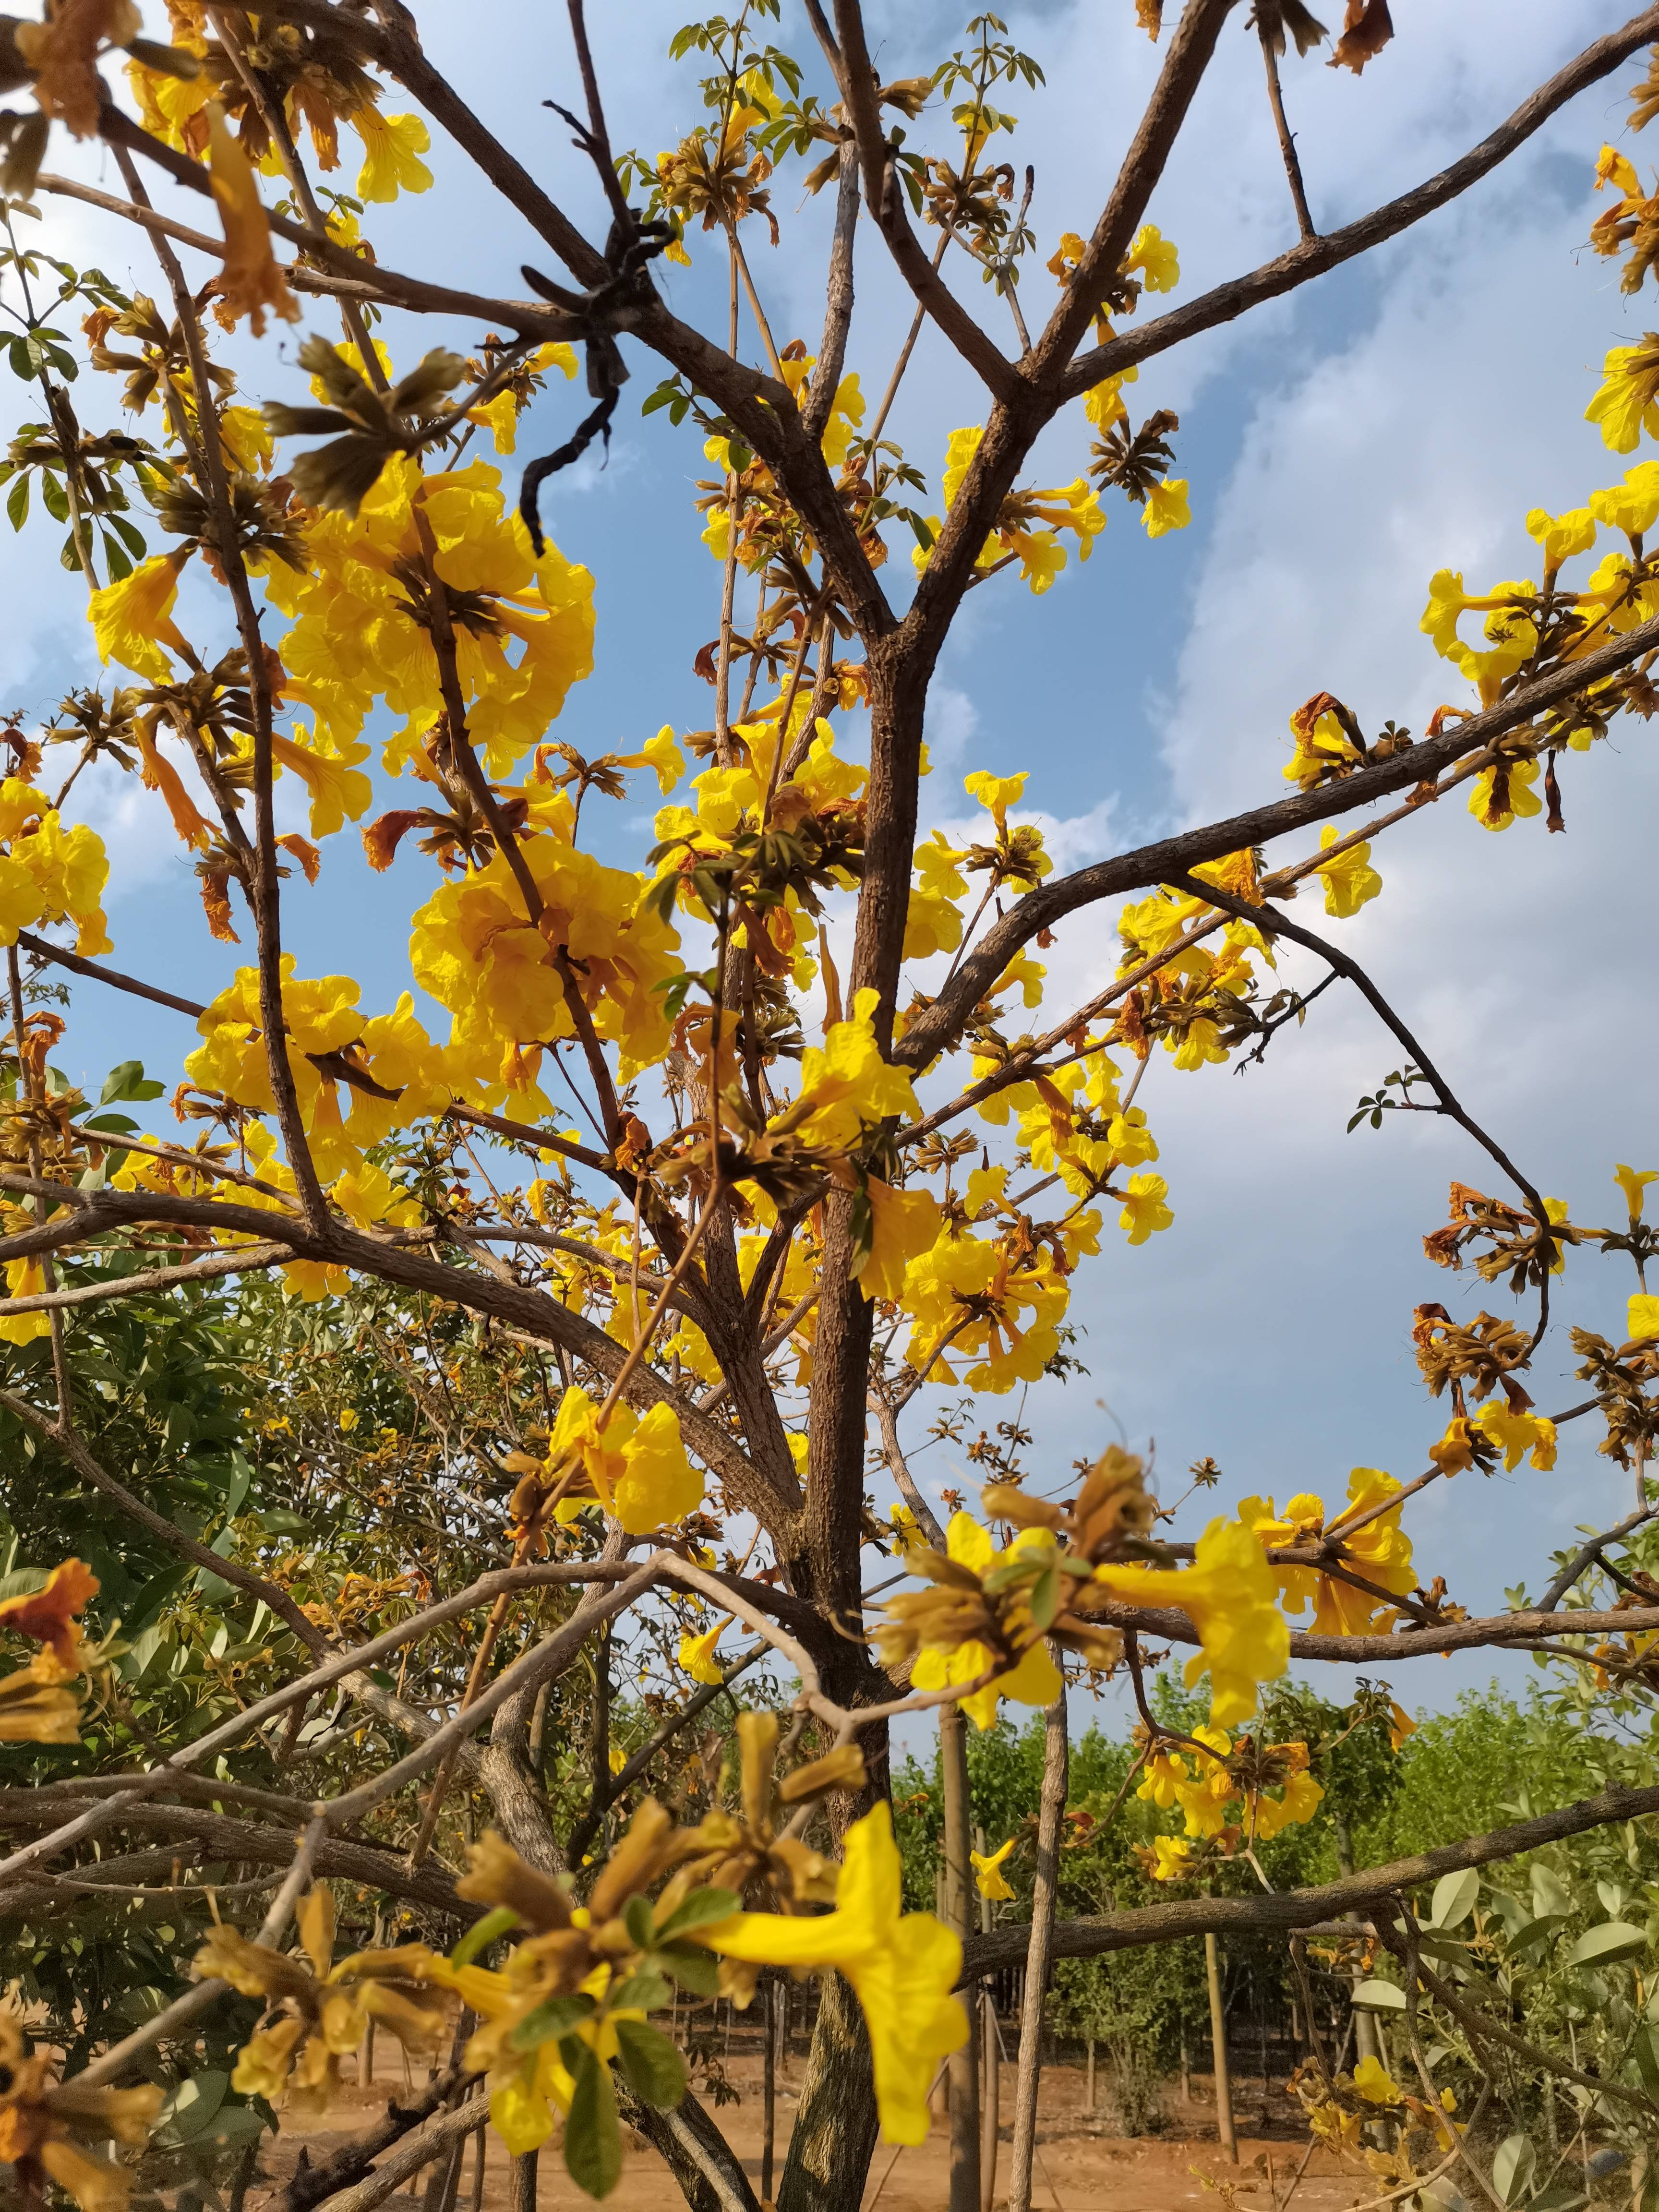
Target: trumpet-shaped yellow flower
988, 1878
1502, 792
1560, 536
1033, 1680
636, 1465
391, 146
339, 791
1634, 1182
847, 1086
902, 1225
45, 2125
1172, 1858
131, 618
1628, 401
1154, 258
1642, 1318
1349, 880
1631, 505
1375, 2085
1227, 1594
903, 1966
1166, 506
1515, 1432
698, 1655
1144, 1210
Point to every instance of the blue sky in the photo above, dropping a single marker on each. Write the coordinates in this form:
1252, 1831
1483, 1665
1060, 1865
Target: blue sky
1402, 415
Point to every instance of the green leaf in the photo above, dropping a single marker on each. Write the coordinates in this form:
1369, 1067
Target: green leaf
593, 2146
693, 1969
17, 503
654, 2068
1550, 1895
115, 560
1513, 2164
1644, 2050
702, 1906
643, 1991
482, 1933
131, 538
127, 1081
551, 2022
1564, 2197
1530, 1940
190, 2111
640, 1922
1379, 1996
1603, 1946
53, 497
1454, 1896
1045, 1598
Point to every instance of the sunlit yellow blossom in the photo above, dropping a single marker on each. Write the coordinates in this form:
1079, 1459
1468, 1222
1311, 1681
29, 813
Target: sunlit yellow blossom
902, 1965
1642, 1315
250, 280
988, 1878
1560, 536
1515, 1432
132, 617
392, 145
1171, 1858
1228, 1592
1628, 401
698, 1654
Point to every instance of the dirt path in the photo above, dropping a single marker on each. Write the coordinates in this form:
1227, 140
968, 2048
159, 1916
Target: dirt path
1080, 2168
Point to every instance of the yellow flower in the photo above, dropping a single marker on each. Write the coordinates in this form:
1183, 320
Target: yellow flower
391, 144
1166, 506
1514, 1432
131, 618
697, 1654
1228, 1592
1374, 2084
1643, 1321
903, 1224
339, 792
48, 1614
1503, 790
1033, 1680
44, 2123
1172, 1858
1626, 404
1632, 505
1561, 536
1302, 1798
1454, 1452
1400, 1725
848, 1085
987, 1872
1154, 256
636, 1465
35, 1707
1349, 882
996, 793
250, 280
1633, 1182
903, 1966
1144, 1210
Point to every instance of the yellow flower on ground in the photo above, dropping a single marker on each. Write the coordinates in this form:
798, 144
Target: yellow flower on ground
902, 1965
1228, 1594
989, 1877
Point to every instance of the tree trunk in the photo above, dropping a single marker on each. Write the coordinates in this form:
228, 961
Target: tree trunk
1052, 1811
991, 2064
964, 2076
768, 2085
835, 2131
524, 2182
1364, 2028
1224, 2087
1088, 2081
